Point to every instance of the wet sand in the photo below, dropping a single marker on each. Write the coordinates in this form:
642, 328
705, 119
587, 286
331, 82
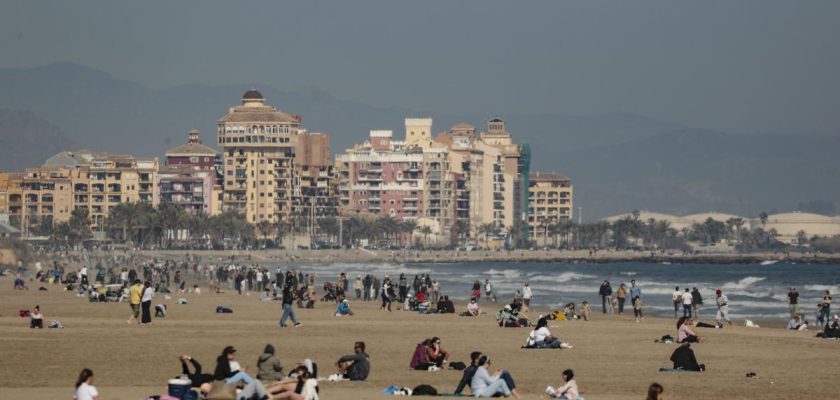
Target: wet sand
613, 357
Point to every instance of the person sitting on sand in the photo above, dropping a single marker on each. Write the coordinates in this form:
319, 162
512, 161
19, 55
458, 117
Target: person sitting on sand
506, 319
228, 369
420, 359
270, 367
160, 310
197, 378
485, 385
684, 359
832, 328
541, 338
448, 306
567, 391
356, 366
437, 354
684, 332
469, 372
655, 392
36, 318
84, 386
343, 309
20, 284
797, 324
472, 308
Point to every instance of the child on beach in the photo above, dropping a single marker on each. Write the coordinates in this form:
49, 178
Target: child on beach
637, 309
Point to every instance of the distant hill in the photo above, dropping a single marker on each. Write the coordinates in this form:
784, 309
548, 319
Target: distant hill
617, 161
25, 137
689, 171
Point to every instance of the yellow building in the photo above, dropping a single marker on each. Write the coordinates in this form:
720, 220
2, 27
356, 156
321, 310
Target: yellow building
550, 199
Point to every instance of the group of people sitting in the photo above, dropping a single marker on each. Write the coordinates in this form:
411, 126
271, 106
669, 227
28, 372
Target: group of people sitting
429, 355
507, 317
482, 383
300, 384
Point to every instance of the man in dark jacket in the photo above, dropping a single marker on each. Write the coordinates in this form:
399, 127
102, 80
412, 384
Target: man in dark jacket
466, 378
356, 366
288, 311
606, 295
684, 359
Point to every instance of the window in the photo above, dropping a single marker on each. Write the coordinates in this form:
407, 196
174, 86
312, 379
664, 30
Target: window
193, 159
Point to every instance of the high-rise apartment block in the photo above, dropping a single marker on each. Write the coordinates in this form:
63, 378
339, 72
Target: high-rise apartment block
265, 153
190, 179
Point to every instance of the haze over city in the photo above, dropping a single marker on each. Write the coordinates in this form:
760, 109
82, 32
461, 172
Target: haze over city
580, 79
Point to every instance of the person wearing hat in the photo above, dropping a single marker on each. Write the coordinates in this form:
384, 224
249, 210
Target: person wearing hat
723, 308
343, 309
506, 318
271, 369
228, 369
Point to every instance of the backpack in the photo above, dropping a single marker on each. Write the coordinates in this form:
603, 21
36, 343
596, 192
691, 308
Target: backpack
223, 310
457, 365
424, 390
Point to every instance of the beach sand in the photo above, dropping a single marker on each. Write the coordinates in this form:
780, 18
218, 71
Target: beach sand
613, 357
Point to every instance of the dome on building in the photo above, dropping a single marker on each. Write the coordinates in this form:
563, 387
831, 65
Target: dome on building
253, 94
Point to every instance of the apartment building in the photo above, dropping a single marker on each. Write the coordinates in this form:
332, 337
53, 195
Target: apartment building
550, 204
190, 178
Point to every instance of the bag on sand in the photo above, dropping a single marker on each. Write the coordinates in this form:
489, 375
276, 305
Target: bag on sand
55, 324
457, 365
24, 313
424, 390
223, 310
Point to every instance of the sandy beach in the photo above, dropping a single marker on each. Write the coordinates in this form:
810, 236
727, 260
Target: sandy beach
613, 357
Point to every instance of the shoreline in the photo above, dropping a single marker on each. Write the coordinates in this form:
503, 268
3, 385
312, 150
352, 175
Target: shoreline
359, 256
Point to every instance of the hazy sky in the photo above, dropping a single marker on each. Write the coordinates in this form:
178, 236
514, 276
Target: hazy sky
738, 66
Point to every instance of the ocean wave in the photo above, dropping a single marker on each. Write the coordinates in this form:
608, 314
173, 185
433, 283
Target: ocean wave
505, 273
743, 283
564, 277
627, 273
821, 288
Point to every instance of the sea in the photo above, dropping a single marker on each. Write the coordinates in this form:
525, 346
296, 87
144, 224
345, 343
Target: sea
755, 291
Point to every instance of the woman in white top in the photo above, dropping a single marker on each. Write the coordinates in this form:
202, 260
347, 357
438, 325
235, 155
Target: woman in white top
84, 386
569, 390
146, 303
541, 338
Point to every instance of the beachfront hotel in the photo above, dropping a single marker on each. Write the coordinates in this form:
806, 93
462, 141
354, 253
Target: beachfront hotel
264, 153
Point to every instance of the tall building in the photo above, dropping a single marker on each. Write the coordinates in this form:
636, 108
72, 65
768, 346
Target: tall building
258, 153
550, 204
265, 152
190, 179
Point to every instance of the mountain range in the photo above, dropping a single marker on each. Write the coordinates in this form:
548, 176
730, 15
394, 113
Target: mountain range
617, 161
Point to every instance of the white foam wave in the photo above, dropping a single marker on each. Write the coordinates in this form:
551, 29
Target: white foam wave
564, 277
743, 283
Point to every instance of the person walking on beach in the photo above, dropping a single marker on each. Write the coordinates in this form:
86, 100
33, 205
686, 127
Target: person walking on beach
793, 302
722, 308
606, 295
621, 296
288, 312
825, 308
488, 291
696, 302
357, 287
476, 290
686, 301
403, 286
146, 303
386, 294
135, 294
526, 297
435, 291
635, 291
676, 297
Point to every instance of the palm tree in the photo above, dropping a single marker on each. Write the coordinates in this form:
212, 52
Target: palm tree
763, 216
486, 230
459, 229
426, 231
409, 226
265, 229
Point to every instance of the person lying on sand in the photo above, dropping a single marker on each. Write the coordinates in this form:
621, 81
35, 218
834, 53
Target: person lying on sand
229, 370
196, 378
302, 386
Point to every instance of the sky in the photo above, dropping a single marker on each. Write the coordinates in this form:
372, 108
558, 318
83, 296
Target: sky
737, 66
